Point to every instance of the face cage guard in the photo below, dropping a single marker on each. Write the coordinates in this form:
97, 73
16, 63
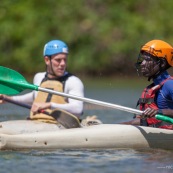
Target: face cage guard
145, 56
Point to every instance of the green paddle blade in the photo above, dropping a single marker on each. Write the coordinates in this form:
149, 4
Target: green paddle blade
164, 118
11, 82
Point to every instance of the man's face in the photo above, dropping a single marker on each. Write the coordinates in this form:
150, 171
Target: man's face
57, 64
148, 65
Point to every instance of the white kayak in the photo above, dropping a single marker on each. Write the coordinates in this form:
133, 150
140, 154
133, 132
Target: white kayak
26, 134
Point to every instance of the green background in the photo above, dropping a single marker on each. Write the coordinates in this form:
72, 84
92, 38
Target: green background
104, 37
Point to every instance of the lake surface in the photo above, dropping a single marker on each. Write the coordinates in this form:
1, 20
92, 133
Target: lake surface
88, 161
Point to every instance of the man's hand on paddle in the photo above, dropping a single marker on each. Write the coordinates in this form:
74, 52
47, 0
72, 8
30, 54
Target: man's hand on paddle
2, 98
37, 107
149, 112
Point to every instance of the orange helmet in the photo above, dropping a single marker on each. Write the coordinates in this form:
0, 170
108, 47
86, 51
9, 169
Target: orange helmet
159, 49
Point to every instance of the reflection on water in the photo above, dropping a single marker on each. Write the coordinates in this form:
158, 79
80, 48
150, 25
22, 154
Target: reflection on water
87, 161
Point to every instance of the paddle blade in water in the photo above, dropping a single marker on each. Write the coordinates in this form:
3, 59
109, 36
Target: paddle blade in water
12, 82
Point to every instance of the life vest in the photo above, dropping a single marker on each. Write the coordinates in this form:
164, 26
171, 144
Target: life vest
56, 85
147, 100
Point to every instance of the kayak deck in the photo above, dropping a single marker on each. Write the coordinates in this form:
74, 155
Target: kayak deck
37, 135
27, 126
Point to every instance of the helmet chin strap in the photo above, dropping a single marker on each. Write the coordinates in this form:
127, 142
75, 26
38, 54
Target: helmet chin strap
51, 71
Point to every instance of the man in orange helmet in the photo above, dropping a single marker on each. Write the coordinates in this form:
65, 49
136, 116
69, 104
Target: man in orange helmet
155, 58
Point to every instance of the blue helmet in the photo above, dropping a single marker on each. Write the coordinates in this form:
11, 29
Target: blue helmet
54, 47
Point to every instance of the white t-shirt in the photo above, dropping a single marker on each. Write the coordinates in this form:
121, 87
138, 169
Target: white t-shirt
73, 86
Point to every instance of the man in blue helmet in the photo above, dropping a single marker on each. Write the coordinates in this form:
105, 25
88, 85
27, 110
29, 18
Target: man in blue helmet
56, 78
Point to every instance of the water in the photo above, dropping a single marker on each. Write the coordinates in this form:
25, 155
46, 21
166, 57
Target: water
87, 161
84, 161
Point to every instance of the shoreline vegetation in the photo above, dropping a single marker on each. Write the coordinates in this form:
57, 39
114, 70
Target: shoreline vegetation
104, 37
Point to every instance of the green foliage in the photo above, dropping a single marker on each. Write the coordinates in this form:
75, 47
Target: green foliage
104, 37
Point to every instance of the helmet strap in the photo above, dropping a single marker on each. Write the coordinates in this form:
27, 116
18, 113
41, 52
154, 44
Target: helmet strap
50, 71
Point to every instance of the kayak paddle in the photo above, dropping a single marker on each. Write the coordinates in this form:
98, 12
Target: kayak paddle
164, 118
65, 118
12, 82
